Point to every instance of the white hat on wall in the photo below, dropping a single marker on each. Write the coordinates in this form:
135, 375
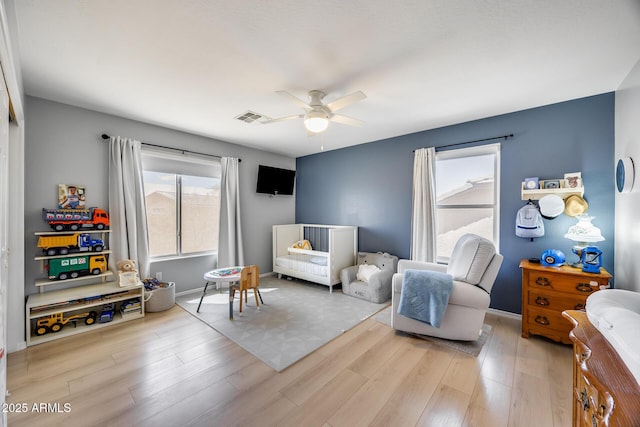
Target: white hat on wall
551, 206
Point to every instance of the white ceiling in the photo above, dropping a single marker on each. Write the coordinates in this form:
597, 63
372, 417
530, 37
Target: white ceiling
194, 65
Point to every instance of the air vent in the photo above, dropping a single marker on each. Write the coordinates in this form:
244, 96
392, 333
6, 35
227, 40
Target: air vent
250, 117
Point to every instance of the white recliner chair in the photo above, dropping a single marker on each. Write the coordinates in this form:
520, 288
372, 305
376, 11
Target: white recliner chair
474, 266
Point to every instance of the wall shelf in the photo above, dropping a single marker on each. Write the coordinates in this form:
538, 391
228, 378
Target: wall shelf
45, 282
71, 254
62, 233
537, 194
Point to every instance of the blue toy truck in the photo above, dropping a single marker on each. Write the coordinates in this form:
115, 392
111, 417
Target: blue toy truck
106, 315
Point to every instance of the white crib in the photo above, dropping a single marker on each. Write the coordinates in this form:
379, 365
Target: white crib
334, 248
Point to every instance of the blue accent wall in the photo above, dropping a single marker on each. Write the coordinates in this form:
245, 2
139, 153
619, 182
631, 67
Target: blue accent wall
370, 185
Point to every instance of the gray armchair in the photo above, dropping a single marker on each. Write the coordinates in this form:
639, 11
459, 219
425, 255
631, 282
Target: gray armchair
377, 286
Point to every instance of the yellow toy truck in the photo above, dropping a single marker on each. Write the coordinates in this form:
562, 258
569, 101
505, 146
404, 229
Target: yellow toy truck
56, 321
67, 243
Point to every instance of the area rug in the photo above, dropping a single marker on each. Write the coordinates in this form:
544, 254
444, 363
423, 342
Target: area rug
297, 317
470, 347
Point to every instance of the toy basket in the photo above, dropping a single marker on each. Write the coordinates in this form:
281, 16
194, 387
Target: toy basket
160, 299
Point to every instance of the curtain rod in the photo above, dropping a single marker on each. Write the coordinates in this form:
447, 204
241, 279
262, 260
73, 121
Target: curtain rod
105, 136
505, 137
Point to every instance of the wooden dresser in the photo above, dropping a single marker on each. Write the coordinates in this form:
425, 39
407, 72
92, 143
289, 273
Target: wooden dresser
548, 291
604, 390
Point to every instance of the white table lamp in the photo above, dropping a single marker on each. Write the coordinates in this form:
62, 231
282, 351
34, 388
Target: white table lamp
583, 233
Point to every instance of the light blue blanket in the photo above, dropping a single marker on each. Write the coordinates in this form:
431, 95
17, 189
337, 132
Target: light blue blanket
425, 295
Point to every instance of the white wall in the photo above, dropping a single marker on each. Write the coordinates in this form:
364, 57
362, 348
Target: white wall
627, 205
63, 145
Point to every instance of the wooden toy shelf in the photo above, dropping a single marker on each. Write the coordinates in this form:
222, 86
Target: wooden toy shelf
65, 311
79, 299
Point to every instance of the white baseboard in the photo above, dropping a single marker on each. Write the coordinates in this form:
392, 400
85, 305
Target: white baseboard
503, 313
190, 291
18, 347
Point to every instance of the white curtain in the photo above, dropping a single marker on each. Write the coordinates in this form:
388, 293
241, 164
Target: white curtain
230, 249
127, 211
423, 217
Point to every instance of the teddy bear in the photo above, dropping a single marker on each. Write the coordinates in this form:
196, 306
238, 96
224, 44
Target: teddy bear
126, 265
127, 272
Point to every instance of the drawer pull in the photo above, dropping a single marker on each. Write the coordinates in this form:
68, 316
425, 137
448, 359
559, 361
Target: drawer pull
584, 397
542, 281
579, 307
542, 301
584, 287
542, 320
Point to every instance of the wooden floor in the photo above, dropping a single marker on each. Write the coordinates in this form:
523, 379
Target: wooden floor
169, 369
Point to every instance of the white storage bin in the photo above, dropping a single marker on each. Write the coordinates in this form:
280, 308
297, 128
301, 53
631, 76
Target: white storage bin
160, 299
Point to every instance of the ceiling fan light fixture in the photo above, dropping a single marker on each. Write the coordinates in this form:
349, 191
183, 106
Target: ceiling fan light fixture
316, 121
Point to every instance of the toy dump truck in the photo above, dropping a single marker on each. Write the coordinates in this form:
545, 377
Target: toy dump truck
75, 219
67, 243
56, 321
72, 267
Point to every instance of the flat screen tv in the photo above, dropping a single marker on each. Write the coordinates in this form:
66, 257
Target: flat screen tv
275, 180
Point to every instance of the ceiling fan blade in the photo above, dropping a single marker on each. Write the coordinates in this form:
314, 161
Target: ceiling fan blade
346, 100
299, 102
282, 119
346, 120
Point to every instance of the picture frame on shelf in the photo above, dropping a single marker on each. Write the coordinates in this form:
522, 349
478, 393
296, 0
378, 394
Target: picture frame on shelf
531, 183
573, 180
71, 196
551, 184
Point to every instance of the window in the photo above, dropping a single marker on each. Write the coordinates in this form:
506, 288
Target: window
467, 196
182, 195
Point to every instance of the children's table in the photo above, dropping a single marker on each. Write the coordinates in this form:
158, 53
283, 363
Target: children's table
218, 276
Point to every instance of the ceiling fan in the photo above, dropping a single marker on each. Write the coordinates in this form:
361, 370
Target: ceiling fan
317, 114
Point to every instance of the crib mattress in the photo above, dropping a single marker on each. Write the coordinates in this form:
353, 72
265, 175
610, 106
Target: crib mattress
301, 263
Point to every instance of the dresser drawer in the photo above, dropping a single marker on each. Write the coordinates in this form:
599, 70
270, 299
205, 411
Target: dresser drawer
592, 406
541, 320
548, 291
579, 285
539, 298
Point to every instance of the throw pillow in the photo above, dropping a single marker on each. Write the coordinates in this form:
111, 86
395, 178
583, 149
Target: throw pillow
365, 271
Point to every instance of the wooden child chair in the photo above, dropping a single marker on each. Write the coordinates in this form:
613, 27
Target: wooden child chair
249, 279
